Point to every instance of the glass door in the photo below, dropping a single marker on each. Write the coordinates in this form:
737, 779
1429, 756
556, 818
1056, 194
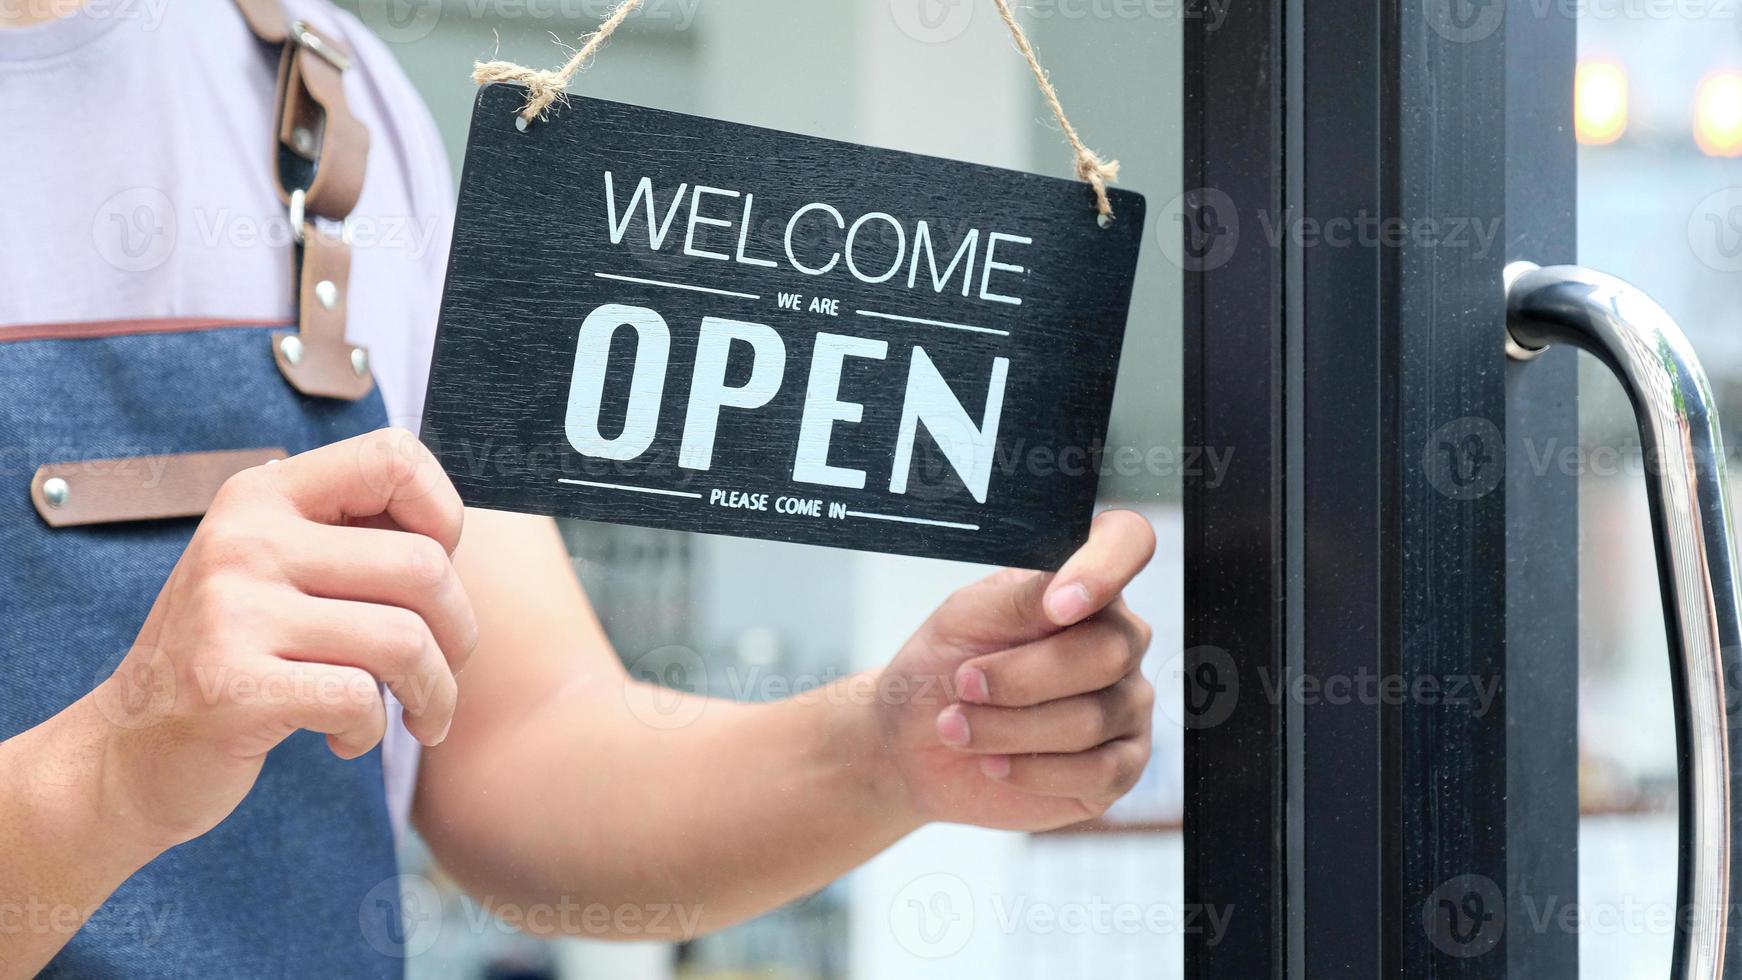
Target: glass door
1416, 718
752, 620
1658, 119
1382, 598
1428, 513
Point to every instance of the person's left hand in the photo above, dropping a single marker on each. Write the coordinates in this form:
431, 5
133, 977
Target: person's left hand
1022, 704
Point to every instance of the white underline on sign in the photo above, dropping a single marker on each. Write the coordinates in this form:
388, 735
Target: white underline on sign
914, 520
932, 323
619, 486
676, 285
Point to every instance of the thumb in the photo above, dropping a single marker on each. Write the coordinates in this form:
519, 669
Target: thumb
1002, 610
1120, 544
1016, 606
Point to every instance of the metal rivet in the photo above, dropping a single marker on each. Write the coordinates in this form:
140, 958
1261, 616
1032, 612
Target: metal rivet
291, 348
327, 293
302, 141
520, 123
359, 361
54, 491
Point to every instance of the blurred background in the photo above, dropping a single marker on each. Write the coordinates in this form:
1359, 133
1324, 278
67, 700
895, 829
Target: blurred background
1658, 116
1659, 121
928, 76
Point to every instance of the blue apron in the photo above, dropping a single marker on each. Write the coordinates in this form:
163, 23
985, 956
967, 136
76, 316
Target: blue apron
299, 880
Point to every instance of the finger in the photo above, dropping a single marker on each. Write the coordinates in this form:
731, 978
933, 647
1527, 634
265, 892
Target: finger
387, 472
998, 612
343, 703
1101, 774
1086, 657
393, 645
1120, 543
1073, 724
390, 568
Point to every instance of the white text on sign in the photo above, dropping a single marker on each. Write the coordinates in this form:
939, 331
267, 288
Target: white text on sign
851, 256
929, 400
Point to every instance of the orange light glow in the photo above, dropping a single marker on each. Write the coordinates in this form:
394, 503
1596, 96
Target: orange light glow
1718, 114
1599, 102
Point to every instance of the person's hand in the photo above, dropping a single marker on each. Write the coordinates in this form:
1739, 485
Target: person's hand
309, 583
1021, 703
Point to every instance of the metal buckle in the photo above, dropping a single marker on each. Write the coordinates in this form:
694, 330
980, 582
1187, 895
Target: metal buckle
303, 37
298, 206
299, 218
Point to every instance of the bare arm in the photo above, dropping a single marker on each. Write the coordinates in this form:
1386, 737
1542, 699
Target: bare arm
568, 786
53, 805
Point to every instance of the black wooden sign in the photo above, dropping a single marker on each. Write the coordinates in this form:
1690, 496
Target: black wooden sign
677, 322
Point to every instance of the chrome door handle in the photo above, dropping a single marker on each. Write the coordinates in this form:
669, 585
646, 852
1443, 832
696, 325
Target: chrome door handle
1696, 562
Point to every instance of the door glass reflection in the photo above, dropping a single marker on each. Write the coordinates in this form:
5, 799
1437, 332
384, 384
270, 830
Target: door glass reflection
1658, 116
754, 620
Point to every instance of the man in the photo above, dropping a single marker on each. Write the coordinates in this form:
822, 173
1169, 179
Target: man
223, 799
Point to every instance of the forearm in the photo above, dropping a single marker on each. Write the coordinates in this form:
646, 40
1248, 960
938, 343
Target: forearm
568, 799
697, 813
64, 848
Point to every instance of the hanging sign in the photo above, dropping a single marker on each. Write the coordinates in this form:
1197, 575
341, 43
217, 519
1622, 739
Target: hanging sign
663, 320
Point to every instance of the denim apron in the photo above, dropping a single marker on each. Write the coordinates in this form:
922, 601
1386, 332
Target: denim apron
300, 880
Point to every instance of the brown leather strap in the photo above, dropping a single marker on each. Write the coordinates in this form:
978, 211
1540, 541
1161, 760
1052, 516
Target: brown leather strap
265, 18
321, 153
318, 359
95, 329
140, 488
316, 128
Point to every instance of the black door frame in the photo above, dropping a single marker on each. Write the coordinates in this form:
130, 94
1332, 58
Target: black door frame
1380, 541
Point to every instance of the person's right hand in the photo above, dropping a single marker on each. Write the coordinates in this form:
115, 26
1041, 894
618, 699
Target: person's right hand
309, 583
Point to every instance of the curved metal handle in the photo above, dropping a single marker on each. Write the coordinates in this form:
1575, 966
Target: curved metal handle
1690, 512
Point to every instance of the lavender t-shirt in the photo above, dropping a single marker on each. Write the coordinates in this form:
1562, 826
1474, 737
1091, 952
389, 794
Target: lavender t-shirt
136, 166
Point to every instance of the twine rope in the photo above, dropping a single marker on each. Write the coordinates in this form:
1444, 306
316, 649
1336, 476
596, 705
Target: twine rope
545, 87
1090, 167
